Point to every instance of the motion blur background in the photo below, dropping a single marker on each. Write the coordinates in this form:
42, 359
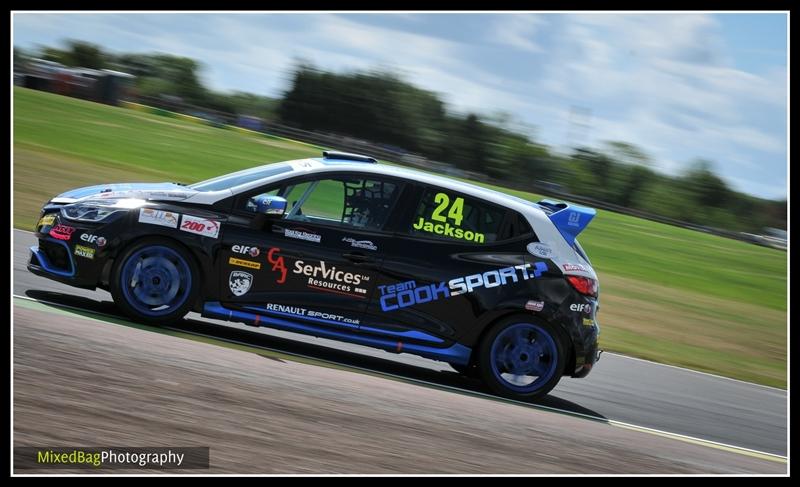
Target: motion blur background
676, 124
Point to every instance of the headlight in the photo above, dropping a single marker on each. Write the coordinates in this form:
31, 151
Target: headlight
95, 211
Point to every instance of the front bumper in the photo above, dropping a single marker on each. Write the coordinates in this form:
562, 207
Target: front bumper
68, 259
53, 259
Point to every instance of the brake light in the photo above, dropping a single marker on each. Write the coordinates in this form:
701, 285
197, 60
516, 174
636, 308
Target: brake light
583, 285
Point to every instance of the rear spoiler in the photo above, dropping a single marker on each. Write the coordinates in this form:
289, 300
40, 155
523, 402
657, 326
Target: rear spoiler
570, 220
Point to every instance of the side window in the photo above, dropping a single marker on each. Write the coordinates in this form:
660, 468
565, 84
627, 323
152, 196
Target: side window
294, 193
451, 216
358, 202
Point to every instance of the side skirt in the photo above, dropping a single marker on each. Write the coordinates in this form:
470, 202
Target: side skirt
455, 354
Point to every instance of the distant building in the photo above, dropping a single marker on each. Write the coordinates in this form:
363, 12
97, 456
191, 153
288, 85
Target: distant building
104, 85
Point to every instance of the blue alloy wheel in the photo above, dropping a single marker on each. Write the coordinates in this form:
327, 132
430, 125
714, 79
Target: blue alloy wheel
156, 280
524, 357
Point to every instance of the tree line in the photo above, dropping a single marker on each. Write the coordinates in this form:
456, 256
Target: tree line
381, 107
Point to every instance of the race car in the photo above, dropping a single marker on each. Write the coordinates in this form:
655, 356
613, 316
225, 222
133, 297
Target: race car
344, 248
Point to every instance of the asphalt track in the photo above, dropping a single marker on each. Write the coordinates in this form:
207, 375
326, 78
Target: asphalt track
620, 388
260, 412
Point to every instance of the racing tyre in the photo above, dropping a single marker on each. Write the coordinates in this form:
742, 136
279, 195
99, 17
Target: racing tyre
155, 281
521, 359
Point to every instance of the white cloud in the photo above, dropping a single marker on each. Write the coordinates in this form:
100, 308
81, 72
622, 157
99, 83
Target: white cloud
666, 83
516, 31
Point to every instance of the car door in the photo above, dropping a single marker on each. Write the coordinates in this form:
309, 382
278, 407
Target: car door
431, 277
317, 263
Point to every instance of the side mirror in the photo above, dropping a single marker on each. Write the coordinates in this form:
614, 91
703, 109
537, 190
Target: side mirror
272, 206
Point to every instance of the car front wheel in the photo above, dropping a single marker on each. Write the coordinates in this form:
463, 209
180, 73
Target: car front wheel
155, 281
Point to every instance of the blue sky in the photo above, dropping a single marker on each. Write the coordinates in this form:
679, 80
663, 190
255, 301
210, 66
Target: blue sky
680, 86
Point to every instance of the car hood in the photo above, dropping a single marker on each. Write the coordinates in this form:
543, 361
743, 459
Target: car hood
145, 191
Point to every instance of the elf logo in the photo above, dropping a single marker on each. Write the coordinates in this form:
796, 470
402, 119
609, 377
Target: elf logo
93, 239
580, 307
244, 249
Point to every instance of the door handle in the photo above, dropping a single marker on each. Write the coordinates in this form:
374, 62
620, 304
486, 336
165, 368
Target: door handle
359, 258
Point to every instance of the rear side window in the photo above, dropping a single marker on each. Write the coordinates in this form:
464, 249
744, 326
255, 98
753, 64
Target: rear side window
516, 226
451, 216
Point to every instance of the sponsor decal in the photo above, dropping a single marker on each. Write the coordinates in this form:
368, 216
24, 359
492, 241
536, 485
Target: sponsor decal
278, 264
310, 313
446, 230
574, 267
407, 293
244, 263
581, 308
540, 250
302, 234
62, 232
244, 249
158, 217
168, 195
322, 277
93, 239
361, 244
443, 214
82, 251
200, 226
240, 282
47, 220
588, 322
534, 305
574, 219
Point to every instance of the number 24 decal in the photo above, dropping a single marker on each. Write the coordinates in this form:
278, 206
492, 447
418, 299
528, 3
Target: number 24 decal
456, 212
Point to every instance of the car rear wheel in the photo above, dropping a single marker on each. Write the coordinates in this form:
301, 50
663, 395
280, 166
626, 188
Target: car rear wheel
521, 359
155, 281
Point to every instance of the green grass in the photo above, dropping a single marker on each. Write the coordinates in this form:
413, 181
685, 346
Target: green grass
668, 294
685, 259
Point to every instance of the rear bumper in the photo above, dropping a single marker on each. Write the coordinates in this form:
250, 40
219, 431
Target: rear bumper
587, 367
587, 350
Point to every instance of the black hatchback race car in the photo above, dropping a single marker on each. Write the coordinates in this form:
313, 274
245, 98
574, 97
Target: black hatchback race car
344, 248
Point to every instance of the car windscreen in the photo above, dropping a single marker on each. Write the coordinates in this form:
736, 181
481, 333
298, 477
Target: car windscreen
241, 177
